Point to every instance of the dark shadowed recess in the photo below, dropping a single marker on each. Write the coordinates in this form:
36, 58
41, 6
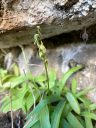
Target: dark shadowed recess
72, 37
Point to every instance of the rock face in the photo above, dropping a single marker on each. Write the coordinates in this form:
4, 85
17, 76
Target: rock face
19, 18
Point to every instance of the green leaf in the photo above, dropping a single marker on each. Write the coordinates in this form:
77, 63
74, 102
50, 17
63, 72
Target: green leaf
32, 123
44, 102
6, 78
85, 101
52, 78
24, 94
88, 122
3, 73
66, 110
65, 124
73, 102
67, 75
17, 99
21, 91
84, 91
89, 115
29, 100
81, 120
36, 125
92, 107
16, 104
57, 114
13, 82
40, 78
16, 81
73, 121
44, 118
74, 86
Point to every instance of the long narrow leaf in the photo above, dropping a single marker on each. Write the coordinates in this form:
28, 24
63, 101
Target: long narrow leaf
88, 122
57, 114
52, 78
74, 122
40, 78
29, 100
84, 91
16, 104
92, 107
85, 101
73, 102
44, 118
66, 110
67, 75
89, 115
37, 125
44, 102
32, 122
65, 124
81, 120
74, 86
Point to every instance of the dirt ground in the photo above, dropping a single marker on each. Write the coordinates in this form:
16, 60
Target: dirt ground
5, 121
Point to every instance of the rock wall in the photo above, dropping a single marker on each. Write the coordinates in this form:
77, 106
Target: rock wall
19, 18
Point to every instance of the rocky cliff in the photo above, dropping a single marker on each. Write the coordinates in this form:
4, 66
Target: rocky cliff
19, 18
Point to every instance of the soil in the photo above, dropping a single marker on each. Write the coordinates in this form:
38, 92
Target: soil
5, 121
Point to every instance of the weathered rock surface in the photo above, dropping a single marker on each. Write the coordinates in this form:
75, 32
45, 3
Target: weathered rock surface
19, 18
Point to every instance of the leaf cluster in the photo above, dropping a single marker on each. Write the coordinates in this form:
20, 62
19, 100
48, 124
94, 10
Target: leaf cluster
63, 107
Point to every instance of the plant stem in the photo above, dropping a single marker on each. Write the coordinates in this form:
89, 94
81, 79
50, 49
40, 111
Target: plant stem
30, 87
25, 58
22, 49
47, 74
11, 111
